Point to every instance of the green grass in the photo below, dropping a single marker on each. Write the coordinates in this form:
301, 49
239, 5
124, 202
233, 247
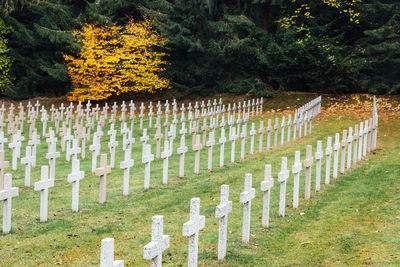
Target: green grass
354, 221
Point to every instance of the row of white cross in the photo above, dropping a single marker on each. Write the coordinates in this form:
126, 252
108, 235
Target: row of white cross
364, 141
47, 177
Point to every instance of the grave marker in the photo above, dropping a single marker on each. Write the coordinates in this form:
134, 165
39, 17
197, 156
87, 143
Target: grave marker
349, 147
266, 187
107, 254
252, 134
328, 153
27, 161
196, 148
165, 155
336, 147
222, 141
343, 156
210, 143
43, 186
232, 138
159, 242
147, 158
74, 177
243, 142
318, 158
192, 228
6, 195
221, 212
126, 165
296, 169
261, 131
308, 164
355, 141
283, 175
269, 130
245, 197
102, 171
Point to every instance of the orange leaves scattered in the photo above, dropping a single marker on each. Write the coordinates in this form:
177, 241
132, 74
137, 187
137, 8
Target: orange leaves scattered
115, 60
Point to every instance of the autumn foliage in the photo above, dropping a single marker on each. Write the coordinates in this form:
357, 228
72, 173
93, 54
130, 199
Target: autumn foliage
115, 60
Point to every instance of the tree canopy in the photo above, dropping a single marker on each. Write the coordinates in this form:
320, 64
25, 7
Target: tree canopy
244, 46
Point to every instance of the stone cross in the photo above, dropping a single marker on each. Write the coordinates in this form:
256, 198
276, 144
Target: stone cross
355, 142
51, 156
269, 130
196, 148
370, 131
222, 141
221, 212
360, 140
112, 144
283, 175
245, 197
336, 147
283, 124
349, 147
74, 177
343, 156
95, 148
308, 162
147, 158
126, 164
191, 229
232, 138
261, 131
182, 150
243, 142
252, 134
68, 138
43, 186
210, 143
27, 161
165, 155
365, 138
159, 242
266, 187
141, 115
204, 128
3, 165
6, 195
296, 169
144, 138
3, 140
328, 153
75, 149
276, 126
158, 136
107, 254
289, 124
14, 146
102, 171
318, 158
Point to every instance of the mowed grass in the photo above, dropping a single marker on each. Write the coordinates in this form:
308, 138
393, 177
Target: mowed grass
355, 220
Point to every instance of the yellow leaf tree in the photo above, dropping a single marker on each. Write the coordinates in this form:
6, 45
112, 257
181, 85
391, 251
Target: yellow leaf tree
115, 60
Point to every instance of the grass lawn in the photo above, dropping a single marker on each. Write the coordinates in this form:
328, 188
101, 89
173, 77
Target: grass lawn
354, 221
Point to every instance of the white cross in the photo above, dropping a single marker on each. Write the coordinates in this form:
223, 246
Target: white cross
336, 147
126, 165
165, 155
210, 143
102, 171
252, 134
283, 124
343, 156
51, 156
307, 164
296, 168
182, 150
3, 165
349, 147
232, 138
68, 138
147, 158
289, 124
266, 187
245, 197
197, 146
221, 212
6, 195
318, 156
222, 141
191, 229
107, 254
145, 137
74, 177
27, 160
3, 140
37, 105
159, 242
75, 150
283, 175
14, 146
243, 143
112, 144
95, 148
43, 186
328, 152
